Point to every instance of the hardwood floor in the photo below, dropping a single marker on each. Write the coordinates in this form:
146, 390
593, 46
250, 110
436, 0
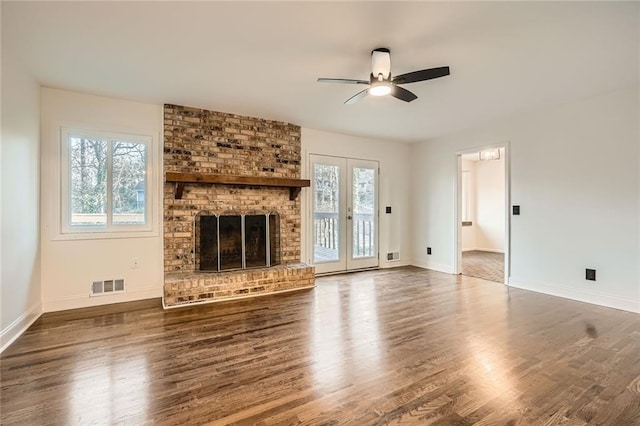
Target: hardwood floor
402, 346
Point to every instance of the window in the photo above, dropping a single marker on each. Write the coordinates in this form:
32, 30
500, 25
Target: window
105, 182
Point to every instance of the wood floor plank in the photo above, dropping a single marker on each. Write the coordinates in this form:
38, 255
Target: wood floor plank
401, 346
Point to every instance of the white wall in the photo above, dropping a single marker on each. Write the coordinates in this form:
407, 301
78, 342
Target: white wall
69, 266
394, 187
574, 172
20, 235
469, 232
490, 210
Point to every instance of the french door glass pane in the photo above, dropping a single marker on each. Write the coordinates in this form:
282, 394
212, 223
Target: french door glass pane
325, 214
363, 212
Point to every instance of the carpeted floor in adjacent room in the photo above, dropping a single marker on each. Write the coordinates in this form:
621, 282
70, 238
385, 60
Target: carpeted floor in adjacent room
483, 264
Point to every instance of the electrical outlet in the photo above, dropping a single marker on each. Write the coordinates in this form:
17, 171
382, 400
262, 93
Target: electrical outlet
135, 263
590, 275
428, 250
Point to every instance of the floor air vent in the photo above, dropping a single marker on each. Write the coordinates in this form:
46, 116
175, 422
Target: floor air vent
102, 287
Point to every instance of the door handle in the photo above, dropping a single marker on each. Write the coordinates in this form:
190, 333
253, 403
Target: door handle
349, 217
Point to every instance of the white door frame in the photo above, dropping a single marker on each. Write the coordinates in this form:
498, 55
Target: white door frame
457, 199
345, 233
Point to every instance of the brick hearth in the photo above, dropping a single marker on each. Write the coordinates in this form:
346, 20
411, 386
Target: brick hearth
202, 141
181, 288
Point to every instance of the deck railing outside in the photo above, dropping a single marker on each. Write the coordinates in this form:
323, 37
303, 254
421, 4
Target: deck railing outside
326, 229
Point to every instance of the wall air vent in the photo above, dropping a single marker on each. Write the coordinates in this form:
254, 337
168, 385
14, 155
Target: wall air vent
109, 286
393, 256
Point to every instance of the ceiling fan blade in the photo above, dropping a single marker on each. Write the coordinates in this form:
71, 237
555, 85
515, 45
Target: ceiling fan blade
422, 75
341, 80
402, 94
358, 96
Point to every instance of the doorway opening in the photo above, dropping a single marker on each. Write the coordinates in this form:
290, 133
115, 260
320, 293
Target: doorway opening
344, 214
482, 214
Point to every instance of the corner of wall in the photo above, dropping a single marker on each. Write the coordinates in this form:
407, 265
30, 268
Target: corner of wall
21, 290
19, 326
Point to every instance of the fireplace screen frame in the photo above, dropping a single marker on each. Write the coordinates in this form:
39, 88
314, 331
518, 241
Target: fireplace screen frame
272, 248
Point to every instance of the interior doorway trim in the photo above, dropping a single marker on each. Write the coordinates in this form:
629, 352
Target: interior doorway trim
457, 199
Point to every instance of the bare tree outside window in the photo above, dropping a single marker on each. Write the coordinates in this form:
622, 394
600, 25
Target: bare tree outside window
326, 208
363, 190
326, 180
88, 181
129, 161
107, 182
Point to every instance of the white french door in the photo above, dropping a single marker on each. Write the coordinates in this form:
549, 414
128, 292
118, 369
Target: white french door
344, 213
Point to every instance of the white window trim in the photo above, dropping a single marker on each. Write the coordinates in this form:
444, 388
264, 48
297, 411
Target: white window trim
64, 231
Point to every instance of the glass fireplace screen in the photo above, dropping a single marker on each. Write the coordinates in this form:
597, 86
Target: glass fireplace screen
229, 242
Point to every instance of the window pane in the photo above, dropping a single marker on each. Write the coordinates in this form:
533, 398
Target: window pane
88, 161
129, 183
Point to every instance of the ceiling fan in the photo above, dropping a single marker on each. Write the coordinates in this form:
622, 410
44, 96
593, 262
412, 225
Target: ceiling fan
380, 81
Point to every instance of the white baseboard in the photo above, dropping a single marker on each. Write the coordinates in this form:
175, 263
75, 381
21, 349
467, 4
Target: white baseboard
579, 295
84, 301
490, 250
19, 326
393, 264
447, 269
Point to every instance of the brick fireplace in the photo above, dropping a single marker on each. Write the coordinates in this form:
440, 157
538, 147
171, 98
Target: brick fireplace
210, 147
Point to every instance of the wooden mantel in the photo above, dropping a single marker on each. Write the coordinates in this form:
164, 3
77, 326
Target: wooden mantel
180, 179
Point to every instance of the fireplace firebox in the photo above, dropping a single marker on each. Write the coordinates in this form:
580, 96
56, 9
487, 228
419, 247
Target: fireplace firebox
232, 241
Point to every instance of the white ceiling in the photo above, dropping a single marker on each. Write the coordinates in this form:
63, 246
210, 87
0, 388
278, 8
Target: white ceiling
263, 58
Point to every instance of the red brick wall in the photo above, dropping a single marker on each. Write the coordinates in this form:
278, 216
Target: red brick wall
197, 140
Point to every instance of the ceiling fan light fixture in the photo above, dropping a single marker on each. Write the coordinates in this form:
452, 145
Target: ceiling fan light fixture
490, 154
380, 89
381, 62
